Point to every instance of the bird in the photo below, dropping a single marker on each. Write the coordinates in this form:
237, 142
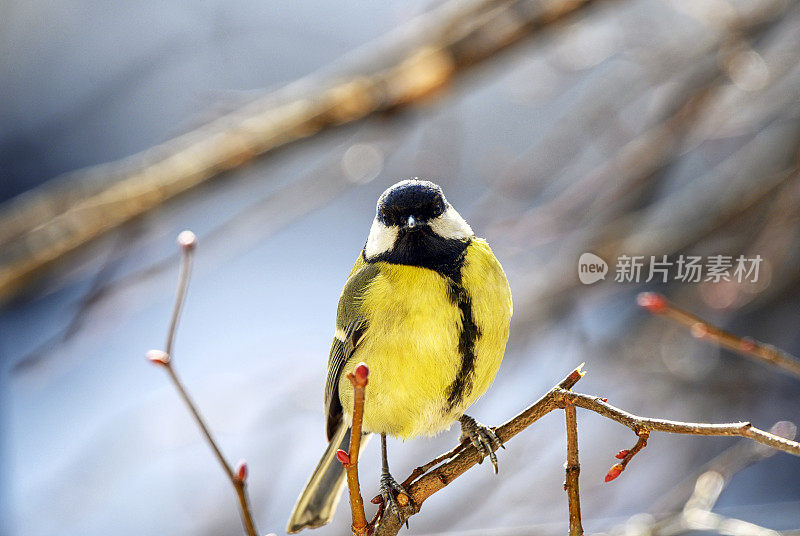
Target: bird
427, 307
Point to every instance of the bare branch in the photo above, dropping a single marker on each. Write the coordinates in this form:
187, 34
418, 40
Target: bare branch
647, 424
441, 476
188, 241
422, 469
558, 397
359, 378
573, 470
764, 353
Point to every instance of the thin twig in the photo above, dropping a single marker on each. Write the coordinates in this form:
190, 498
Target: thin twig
188, 241
359, 378
573, 470
646, 424
627, 455
422, 469
764, 353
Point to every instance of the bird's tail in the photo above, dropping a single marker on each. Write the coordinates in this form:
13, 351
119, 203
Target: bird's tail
317, 503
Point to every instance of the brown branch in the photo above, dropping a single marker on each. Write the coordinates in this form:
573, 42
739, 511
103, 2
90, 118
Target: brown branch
188, 241
422, 469
646, 424
573, 471
441, 476
688, 507
764, 353
560, 397
359, 378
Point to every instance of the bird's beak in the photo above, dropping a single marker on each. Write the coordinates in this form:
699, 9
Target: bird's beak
413, 224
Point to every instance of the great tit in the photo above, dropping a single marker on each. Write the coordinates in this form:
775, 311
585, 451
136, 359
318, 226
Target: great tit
427, 307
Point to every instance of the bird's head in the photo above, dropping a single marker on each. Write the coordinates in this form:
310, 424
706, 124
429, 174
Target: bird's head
413, 215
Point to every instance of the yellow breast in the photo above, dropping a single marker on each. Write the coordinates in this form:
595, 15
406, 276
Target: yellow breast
412, 343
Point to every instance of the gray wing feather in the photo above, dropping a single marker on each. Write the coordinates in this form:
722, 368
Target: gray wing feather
350, 320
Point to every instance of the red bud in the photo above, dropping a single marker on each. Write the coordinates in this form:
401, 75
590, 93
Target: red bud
241, 471
343, 457
361, 373
377, 499
652, 301
614, 472
187, 240
604, 399
621, 454
747, 344
159, 357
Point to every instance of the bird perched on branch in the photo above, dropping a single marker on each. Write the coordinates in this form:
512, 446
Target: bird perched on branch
427, 307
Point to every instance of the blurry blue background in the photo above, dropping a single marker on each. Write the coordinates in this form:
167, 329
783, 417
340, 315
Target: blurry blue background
536, 148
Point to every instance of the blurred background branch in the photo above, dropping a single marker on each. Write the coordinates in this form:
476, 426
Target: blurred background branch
415, 61
700, 329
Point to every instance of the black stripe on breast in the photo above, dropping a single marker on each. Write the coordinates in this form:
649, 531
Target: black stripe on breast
462, 385
445, 256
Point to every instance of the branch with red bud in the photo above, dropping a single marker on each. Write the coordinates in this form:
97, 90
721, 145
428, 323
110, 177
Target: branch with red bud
359, 378
188, 243
439, 476
343, 457
241, 471
626, 456
764, 353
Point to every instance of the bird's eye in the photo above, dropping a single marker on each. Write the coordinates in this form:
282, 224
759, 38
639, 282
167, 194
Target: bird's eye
439, 207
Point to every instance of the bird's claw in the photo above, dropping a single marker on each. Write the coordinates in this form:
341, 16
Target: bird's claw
482, 437
390, 490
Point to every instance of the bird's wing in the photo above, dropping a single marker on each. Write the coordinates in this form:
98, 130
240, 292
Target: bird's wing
351, 326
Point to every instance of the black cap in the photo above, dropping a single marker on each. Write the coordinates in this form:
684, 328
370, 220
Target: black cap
422, 200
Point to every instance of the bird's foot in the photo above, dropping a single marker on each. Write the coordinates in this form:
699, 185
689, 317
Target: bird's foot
394, 496
482, 437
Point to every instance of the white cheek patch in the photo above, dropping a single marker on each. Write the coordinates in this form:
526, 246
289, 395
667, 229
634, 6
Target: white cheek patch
381, 239
451, 225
